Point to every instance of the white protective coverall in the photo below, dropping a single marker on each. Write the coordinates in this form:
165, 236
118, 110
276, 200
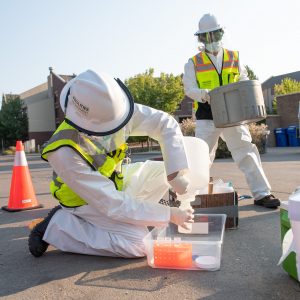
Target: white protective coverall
237, 138
115, 222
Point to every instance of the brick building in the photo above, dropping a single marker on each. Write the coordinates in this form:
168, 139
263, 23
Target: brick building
43, 108
268, 87
287, 114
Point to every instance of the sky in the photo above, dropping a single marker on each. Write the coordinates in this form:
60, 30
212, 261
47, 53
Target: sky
127, 37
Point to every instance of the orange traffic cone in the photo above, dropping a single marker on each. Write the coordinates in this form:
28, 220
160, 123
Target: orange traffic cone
22, 195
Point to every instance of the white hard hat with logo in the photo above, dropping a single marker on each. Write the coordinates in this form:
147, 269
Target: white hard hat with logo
208, 23
96, 104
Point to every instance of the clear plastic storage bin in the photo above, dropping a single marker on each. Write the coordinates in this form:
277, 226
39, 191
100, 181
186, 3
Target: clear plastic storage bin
170, 249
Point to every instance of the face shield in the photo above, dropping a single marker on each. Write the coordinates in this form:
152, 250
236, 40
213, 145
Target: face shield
212, 40
102, 144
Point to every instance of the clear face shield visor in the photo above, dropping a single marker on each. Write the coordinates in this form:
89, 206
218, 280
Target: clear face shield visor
102, 144
211, 37
211, 41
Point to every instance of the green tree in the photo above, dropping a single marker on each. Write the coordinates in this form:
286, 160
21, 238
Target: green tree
251, 74
164, 92
287, 86
13, 122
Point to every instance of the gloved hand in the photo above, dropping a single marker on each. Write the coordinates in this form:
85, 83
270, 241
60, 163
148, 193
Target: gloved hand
181, 216
205, 96
180, 183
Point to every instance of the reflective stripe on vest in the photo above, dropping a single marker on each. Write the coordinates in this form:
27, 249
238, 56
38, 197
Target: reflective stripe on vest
67, 136
207, 76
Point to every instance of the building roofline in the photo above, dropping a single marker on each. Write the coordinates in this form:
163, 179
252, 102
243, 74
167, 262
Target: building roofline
270, 82
58, 77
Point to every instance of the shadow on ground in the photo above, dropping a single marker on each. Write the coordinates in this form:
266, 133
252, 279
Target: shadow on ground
249, 265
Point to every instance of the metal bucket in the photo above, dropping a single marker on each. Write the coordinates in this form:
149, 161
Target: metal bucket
237, 103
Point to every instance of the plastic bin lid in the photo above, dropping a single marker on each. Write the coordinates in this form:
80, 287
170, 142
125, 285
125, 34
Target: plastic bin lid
206, 262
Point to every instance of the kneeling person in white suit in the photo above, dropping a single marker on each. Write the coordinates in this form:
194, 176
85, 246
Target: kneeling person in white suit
103, 209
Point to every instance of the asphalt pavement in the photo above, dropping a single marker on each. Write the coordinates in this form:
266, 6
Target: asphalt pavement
249, 261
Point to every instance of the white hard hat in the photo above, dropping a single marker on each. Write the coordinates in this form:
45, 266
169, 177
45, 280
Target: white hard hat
96, 104
208, 23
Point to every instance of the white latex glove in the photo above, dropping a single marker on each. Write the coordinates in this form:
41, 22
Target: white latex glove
180, 184
205, 97
181, 216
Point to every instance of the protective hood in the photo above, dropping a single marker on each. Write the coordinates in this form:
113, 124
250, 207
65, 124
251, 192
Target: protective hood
96, 104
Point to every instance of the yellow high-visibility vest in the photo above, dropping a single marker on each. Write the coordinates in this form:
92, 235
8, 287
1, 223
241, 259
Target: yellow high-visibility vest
207, 76
105, 163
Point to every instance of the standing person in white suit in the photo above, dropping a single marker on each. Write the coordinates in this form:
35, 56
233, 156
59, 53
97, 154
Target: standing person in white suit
103, 209
212, 67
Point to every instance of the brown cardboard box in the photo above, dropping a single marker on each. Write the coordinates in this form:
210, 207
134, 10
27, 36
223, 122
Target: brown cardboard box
224, 203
